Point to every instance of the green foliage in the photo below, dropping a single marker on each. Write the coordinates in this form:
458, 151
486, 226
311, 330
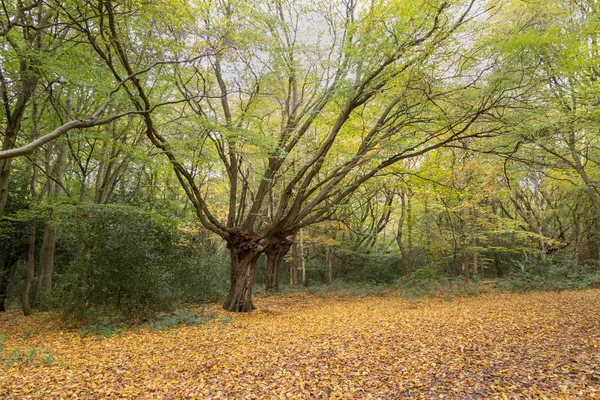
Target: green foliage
29, 334
29, 357
129, 263
430, 282
375, 267
425, 274
178, 317
343, 289
548, 273
104, 326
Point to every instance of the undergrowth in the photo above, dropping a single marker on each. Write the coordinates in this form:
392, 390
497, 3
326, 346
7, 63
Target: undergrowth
29, 357
106, 325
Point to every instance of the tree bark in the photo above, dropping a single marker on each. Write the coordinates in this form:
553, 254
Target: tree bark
4, 177
276, 251
294, 265
303, 261
55, 190
244, 254
400, 232
465, 266
4, 275
590, 188
8, 265
46, 267
30, 270
329, 260
475, 259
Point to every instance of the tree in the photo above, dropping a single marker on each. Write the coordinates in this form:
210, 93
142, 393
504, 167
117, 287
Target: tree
552, 135
297, 124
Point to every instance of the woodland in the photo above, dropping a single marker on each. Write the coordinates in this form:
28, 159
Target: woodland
159, 153
354, 172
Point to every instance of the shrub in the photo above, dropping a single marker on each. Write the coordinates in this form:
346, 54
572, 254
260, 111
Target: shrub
376, 267
555, 275
124, 262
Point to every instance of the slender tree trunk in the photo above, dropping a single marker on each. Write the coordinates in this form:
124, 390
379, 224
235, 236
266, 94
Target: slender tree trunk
7, 268
499, 272
4, 178
465, 266
47, 259
30, 274
400, 233
577, 242
244, 254
294, 265
30, 270
475, 270
302, 261
409, 221
475, 259
4, 275
590, 190
46, 267
276, 252
329, 261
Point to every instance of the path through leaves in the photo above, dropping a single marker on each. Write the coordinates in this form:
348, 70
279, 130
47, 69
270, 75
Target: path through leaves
301, 347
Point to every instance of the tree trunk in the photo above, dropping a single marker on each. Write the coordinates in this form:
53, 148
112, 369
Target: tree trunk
302, 261
30, 270
577, 242
499, 271
275, 251
244, 254
294, 265
4, 275
475, 270
46, 267
9, 261
590, 190
4, 178
44, 283
400, 232
329, 260
475, 259
465, 266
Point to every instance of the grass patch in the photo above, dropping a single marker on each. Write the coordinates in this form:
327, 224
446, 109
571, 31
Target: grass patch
30, 357
179, 317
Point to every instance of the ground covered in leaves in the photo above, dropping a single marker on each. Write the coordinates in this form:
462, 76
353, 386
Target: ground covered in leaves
534, 345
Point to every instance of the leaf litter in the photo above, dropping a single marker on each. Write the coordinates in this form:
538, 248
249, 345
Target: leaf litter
300, 346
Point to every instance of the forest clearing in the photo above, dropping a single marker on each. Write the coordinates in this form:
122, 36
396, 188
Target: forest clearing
300, 346
381, 162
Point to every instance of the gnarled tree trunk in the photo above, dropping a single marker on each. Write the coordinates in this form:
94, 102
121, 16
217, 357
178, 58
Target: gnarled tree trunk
244, 252
276, 252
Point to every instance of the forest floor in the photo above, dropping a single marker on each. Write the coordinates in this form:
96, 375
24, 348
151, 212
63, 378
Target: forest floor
500, 345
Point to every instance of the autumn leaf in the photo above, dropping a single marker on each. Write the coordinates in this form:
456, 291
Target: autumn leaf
298, 346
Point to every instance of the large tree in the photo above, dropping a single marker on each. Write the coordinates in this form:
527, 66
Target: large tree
300, 103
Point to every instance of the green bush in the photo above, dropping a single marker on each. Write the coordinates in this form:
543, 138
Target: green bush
554, 276
376, 267
125, 262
